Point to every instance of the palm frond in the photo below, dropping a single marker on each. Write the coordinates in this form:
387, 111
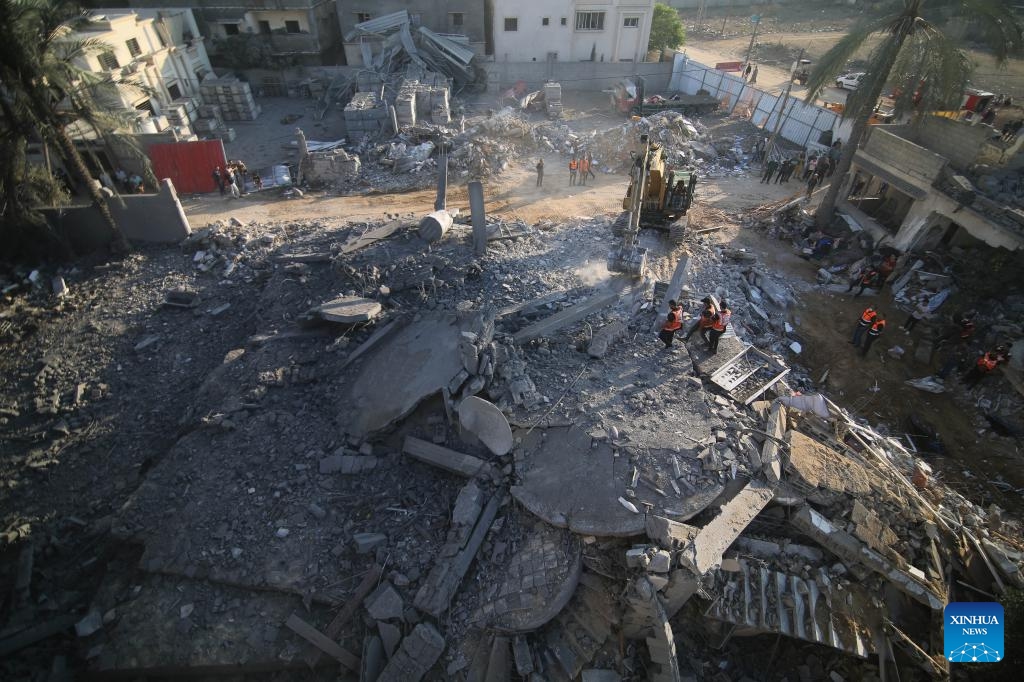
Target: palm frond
1003, 30
833, 62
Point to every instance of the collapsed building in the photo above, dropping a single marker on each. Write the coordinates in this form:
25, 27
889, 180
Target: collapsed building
450, 471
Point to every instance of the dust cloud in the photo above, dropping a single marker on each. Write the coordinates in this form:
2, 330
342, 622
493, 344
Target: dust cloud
593, 273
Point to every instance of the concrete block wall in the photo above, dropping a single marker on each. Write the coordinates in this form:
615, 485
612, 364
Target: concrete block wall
579, 76
901, 153
959, 142
154, 218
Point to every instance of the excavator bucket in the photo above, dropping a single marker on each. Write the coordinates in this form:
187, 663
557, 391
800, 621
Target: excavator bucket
629, 260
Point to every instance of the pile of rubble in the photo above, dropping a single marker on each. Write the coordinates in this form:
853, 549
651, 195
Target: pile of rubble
464, 467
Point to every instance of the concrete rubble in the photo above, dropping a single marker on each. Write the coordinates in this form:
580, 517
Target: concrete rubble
509, 481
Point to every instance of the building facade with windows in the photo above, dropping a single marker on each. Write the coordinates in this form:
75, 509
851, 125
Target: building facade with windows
451, 17
305, 30
161, 50
571, 30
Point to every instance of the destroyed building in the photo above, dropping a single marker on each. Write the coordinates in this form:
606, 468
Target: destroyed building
937, 182
514, 504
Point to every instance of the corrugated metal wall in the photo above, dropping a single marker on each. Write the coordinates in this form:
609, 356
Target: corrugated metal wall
189, 165
803, 123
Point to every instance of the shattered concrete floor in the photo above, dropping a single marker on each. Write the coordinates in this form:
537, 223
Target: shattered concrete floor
207, 488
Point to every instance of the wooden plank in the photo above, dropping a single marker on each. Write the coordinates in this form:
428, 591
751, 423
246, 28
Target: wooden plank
443, 458
333, 630
322, 257
322, 642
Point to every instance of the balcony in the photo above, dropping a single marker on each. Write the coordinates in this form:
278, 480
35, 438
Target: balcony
293, 43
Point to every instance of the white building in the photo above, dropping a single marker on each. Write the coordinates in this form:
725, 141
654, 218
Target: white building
572, 30
160, 49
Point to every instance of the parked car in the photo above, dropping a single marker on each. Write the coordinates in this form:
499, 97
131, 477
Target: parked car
849, 81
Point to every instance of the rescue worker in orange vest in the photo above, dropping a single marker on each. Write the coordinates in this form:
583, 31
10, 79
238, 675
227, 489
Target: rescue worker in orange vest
704, 321
573, 166
867, 318
877, 327
719, 323
985, 365
673, 323
869, 278
584, 169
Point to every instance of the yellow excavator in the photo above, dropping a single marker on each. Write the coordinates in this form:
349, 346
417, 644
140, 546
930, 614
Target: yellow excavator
657, 198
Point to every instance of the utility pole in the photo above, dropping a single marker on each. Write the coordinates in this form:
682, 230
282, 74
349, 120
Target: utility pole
778, 125
757, 22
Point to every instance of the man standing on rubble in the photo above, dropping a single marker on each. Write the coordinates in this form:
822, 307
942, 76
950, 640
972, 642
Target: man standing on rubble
877, 327
704, 320
217, 178
719, 323
867, 318
590, 165
573, 165
584, 170
769, 171
673, 323
540, 172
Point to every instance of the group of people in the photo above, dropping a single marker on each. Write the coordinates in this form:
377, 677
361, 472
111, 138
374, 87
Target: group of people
581, 166
869, 327
711, 323
811, 169
232, 179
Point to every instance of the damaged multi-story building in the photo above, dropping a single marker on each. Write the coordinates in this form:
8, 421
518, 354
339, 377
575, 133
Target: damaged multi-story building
938, 181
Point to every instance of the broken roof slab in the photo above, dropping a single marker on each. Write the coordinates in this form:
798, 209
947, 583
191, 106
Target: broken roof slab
413, 364
599, 477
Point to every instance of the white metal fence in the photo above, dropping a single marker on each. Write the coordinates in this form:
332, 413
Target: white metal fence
802, 123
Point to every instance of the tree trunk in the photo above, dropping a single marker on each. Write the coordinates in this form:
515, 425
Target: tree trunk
119, 245
827, 207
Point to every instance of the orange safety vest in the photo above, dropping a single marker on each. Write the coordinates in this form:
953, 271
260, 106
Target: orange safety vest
572, 165
721, 321
868, 316
987, 362
877, 327
674, 321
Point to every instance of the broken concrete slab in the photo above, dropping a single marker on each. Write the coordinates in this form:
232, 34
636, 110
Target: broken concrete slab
425, 354
667, 533
536, 582
390, 637
347, 464
673, 292
385, 603
449, 460
437, 591
605, 337
367, 542
705, 552
348, 310
852, 550
483, 419
591, 506
771, 462
417, 654
573, 314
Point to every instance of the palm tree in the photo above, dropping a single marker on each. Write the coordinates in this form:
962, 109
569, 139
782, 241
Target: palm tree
915, 53
45, 92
